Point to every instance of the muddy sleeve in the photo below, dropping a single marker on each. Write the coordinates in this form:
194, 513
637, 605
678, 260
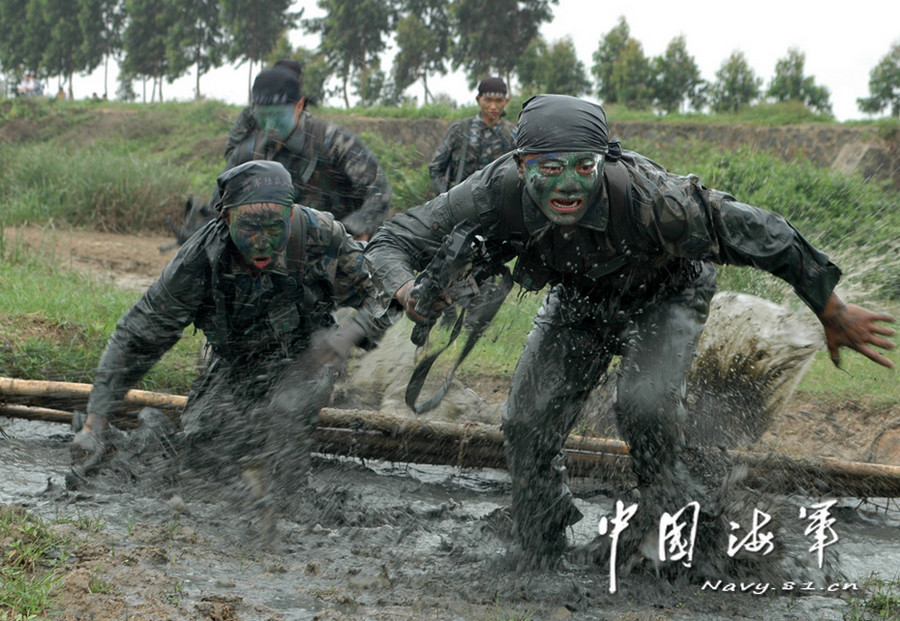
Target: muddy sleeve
406, 243
353, 286
359, 166
150, 328
439, 167
688, 220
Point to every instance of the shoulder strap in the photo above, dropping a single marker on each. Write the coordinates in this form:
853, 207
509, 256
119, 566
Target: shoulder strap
315, 138
512, 219
296, 248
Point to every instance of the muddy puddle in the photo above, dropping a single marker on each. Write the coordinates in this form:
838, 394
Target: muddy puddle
385, 540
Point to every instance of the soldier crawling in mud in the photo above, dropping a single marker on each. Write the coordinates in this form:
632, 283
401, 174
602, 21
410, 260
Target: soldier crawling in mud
261, 282
331, 168
473, 143
628, 251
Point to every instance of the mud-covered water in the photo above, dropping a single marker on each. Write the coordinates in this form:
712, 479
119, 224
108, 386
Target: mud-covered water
403, 541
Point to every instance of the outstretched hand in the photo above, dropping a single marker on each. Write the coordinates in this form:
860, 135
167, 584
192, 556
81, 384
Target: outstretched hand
848, 325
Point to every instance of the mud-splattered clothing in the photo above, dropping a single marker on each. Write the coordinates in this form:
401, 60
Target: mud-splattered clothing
331, 168
473, 139
247, 320
634, 280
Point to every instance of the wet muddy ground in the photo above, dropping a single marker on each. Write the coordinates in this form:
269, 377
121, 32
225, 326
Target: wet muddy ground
405, 541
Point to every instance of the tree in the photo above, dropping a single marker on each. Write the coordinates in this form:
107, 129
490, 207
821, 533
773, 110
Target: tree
552, 70
13, 16
196, 38
63, 40
101, 23
492, 36
736, 84
423, 42
884, 85
352, 35
789, 84
608, 51
677, 78
254, 27
632, 80
144, 42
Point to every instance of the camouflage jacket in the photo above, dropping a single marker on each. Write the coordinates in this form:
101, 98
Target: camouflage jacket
332, 169
485, 144
623, 257
243, 317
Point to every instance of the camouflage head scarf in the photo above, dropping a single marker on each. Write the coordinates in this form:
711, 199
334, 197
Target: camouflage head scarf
551, 123
256, 181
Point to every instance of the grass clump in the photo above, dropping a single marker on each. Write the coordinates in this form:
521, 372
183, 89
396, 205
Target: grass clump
55, 324
31, 555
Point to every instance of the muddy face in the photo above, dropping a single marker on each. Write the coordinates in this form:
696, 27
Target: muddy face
259, 231
561, 183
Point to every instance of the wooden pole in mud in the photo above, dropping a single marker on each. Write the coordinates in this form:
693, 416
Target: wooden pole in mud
377, 435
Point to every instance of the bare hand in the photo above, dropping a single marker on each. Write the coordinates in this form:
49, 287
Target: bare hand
848, 325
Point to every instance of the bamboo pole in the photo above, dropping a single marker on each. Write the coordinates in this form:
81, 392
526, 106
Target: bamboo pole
378, 435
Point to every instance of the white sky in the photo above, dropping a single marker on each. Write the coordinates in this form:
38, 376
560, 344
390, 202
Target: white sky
842, 43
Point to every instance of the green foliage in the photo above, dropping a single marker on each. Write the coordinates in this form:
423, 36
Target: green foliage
735, 86
352, 35
884, 85
403, 166
609, 49
789, 84
103, 190
423, 42
552, 70
491, 36
677, 78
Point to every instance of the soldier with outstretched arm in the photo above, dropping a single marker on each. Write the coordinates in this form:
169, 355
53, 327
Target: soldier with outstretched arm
628, 251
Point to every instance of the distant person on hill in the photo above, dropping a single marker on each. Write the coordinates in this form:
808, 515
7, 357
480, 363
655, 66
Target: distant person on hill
331, 168
261, 281
471, 144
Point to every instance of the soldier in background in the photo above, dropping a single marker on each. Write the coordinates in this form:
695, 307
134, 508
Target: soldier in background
471, 144
332, 170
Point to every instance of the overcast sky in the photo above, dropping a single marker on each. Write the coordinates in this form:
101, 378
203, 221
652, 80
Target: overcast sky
842, 43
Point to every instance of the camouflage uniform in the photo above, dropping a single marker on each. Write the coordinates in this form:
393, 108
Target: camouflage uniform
257, 329
485, 144
635, 282
332, 170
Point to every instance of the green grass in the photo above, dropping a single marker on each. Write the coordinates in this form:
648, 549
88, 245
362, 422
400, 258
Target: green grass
55, 324
31, 555
879, 600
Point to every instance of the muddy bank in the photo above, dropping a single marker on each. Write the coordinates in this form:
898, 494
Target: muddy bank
402, 541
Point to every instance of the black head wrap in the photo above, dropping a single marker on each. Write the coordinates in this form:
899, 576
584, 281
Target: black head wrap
276, 86
550, 123
256, 181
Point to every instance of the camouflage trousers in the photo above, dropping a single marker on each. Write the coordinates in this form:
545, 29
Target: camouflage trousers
566, 355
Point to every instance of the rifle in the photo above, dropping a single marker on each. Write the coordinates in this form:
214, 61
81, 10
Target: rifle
462, 264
